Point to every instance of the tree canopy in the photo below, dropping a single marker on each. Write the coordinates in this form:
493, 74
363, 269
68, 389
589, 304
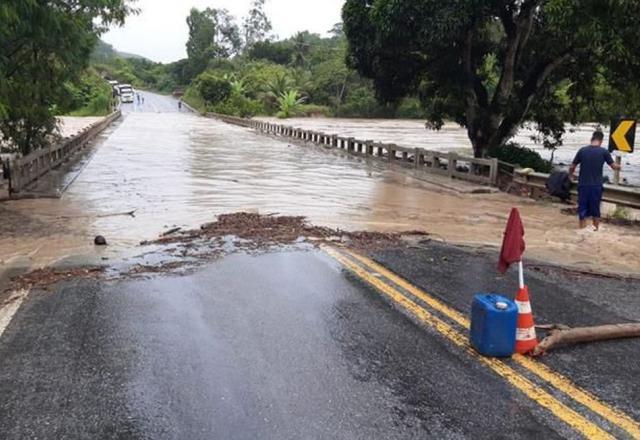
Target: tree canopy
43, 45
492, 65
256, 25
213, 33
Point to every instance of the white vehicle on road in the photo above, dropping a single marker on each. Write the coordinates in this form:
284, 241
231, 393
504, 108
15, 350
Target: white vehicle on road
126, 93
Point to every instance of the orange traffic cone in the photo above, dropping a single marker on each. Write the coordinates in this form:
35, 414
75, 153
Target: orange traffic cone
526, 339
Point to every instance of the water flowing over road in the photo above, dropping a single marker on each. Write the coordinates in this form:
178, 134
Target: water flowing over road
178, 169
451, 137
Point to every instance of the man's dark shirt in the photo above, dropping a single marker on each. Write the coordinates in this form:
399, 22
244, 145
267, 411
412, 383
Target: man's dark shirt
591, 160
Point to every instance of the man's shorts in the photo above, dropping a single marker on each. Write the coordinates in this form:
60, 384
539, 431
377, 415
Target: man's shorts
589, 200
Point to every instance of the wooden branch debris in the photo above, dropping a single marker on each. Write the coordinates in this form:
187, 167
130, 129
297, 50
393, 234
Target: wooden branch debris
563, 335
170, 232
117, 214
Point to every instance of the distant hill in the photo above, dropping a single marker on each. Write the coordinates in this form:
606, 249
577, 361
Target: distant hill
105, 52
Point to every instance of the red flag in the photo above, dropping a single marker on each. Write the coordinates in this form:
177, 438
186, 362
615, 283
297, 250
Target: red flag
513, 244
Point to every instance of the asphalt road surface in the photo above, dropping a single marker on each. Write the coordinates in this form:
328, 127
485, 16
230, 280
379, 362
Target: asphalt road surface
283, 345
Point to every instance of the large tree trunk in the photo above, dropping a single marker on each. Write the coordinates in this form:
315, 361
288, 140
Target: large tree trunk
492, 121
562, 335
483, 132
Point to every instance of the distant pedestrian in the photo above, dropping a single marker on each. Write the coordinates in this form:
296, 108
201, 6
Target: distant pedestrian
591, 160
180, 105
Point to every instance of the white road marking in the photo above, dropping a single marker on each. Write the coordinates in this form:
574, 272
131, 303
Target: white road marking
13, 304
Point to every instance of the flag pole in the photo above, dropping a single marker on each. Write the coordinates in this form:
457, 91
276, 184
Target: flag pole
521, 274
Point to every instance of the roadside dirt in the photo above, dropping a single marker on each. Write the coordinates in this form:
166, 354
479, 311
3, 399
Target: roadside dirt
43, 278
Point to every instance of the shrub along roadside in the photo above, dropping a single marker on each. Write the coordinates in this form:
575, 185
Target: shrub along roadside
90, 96
518, 155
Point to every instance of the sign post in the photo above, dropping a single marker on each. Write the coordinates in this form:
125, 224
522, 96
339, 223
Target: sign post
622, 139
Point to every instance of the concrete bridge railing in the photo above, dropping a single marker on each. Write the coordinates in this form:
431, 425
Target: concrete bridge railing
453, 165
27, 169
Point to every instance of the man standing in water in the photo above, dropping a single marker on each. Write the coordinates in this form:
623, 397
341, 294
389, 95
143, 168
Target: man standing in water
591, 160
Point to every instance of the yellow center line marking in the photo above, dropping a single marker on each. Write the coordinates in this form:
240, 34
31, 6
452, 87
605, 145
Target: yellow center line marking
555, 379
541, 397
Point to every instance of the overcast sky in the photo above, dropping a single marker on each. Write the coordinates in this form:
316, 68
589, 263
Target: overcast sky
160, 31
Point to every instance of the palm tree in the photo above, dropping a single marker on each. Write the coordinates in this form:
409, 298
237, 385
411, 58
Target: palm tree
301, 49
238, 87
278, 85
303, 83
289, 103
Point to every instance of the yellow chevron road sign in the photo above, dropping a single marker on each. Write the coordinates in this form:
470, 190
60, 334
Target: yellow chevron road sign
623, 135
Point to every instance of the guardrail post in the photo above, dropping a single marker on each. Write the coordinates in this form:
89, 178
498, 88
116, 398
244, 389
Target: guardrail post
368, 148
493, 172
453, 164
14, 177
418, 158
391, 152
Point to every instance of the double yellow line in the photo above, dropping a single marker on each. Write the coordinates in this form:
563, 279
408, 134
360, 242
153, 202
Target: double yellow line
371, 272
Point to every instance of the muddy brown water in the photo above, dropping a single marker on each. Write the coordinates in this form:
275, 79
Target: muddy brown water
177, 169
451, 137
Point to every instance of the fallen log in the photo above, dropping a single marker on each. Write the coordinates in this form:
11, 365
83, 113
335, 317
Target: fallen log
563, 335
170, 232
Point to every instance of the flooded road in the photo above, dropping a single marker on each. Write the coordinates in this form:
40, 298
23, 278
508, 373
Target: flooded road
180, 170
412, 133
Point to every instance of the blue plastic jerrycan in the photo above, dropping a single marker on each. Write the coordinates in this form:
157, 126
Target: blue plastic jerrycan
493, 325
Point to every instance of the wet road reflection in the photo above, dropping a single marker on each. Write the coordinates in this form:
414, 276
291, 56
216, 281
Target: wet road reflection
178, 169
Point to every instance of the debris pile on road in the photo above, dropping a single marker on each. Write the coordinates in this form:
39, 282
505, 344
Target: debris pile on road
43, 278
183, 250
259, 231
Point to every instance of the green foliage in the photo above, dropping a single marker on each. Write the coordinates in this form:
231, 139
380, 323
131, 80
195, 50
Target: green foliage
257, 74
192, 97
278, 52
140, 74
290, 104
90, 96
311, 110
213, 33
410, 108
361, 102
213, 89
525, 157
492, 65
301, 46
239, 105
44, 45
